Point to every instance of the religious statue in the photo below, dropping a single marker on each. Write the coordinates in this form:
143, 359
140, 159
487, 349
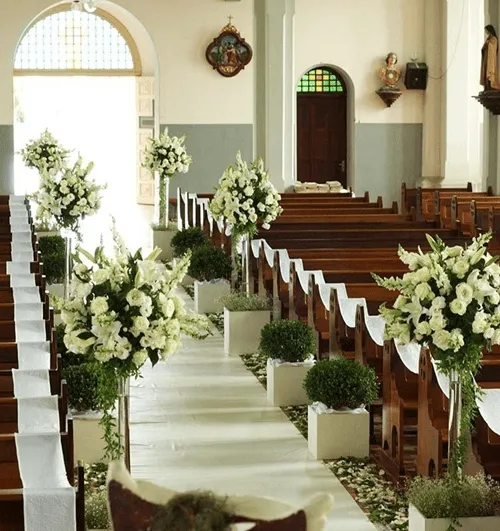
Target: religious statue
489, 60
229, 53
389, 74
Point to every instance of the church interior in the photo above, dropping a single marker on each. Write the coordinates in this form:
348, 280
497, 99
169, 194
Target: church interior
248, 265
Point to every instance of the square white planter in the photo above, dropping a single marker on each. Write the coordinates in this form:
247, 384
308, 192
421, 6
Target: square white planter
206, 295
56, 289
242, 331
163, 240
284, 383
88, 437
339, 434
417, 522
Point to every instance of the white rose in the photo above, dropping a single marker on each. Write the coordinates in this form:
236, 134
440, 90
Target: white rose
423, 291
480, 323
135, 297
458, 307
441, 339
437, 321
100, 276
495, 340
140, 358
423, 328
464, 292
488, 333
460, 267
141, 323
494, 298
99, 306
439, 303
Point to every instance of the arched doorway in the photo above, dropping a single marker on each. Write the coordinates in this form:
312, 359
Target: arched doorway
322, 126
79, 75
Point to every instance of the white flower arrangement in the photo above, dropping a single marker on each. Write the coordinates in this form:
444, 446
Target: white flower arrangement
449, 300
124, 310
245, 197
67, 196
166, 156
45, 154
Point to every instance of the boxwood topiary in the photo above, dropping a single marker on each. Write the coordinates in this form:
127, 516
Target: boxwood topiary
209, 263
340, 382
82, 383
291, 341
53, 257
187, 240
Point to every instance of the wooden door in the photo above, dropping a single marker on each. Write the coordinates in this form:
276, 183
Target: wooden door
322, 137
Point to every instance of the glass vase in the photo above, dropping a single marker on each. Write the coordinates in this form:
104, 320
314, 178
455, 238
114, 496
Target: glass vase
68, 236
123, 418
454, 420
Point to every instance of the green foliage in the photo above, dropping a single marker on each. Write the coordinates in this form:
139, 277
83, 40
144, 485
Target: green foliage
82, 382
241, 302
96, 510
53, 256
340, 382
196, 511
286, 340
209, 263
187, 240
450, 498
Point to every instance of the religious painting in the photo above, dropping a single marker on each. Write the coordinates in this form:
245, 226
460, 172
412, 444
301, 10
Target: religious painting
229, 53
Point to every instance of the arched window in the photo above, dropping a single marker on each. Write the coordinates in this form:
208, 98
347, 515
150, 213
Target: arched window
320, 80
65, 41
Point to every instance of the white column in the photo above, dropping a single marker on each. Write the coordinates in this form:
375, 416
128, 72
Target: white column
275, 94
432, 161
462, 150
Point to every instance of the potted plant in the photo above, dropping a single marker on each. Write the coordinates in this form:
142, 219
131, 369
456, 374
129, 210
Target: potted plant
53, 257
244, 317
82, 378
338, 424
289, 347
96, 511
444, 504
164, 157
211, 269
188, 240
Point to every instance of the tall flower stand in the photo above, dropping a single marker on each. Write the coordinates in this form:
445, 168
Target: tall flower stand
68, 239
454, 420
162, 233
123, 418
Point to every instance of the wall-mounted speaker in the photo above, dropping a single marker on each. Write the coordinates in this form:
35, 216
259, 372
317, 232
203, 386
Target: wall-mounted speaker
416, 76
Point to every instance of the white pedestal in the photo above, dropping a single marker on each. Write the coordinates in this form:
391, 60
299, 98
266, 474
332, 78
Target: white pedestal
44, 233
418, 523
242, 331
163, 239
340, 434
88, 437
206, 295
56, 289
284, 383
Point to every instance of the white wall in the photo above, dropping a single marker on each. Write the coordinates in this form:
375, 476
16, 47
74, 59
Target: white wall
191, 92
356, 36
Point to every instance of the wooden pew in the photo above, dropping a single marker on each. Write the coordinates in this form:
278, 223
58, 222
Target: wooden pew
409, 197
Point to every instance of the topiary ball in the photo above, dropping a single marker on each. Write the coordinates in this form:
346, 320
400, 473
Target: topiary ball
291, 341
187, 240
209, 263
340, 382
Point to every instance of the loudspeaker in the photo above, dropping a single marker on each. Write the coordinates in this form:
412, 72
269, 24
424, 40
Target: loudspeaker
416, 76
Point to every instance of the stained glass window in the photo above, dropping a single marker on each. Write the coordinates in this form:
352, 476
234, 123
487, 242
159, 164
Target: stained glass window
320, 80
69, 40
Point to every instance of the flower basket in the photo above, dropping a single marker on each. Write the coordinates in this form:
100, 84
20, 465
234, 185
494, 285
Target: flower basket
417, 522
285, 383
207, 295
242, 330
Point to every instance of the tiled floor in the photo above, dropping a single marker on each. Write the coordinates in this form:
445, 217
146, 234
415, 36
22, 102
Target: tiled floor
201, 420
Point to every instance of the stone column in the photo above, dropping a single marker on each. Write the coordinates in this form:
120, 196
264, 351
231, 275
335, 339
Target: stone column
462, 149
432, 161
274, 89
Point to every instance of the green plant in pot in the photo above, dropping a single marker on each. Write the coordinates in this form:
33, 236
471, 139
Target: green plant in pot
211, 268
53, 257
338, 423
188, 240
445, 505
289, 347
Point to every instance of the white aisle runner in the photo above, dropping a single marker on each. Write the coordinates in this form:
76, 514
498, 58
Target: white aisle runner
49, 499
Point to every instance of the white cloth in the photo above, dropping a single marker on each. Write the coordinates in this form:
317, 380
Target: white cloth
33, 355
348, 309
31, 383
32, 311
30, 331
255, 245
22, 280
26, 295
17, 268
38, 415
375, 325
410, 355
49, 500
304, 276
488, 407
443, 380
269, 253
